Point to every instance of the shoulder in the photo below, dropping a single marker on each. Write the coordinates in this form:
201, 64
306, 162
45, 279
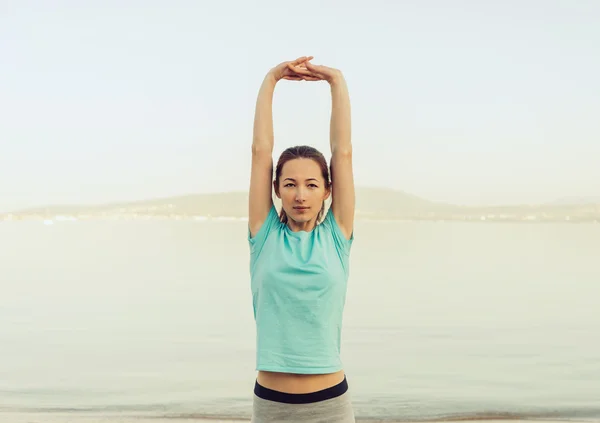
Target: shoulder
270, 224
331, 225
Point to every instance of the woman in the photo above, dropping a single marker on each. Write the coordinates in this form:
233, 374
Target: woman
299, 260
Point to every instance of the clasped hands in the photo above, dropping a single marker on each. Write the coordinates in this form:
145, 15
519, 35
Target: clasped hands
302, 70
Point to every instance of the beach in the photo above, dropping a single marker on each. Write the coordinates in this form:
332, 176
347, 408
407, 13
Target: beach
82, 418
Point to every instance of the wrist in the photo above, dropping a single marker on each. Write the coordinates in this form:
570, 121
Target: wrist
271, 78
336, 79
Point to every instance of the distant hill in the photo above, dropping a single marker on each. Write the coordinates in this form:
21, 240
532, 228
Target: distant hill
380, 202
565, 201
370, 202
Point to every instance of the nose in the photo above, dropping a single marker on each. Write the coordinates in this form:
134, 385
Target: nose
300, 195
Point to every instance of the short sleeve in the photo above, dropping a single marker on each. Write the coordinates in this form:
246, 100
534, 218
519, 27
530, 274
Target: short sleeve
341, 242
257, 242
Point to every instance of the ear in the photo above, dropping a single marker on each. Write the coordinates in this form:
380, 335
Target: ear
327, 193
276, 188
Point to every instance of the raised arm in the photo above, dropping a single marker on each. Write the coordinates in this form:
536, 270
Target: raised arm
260, 196
342, 179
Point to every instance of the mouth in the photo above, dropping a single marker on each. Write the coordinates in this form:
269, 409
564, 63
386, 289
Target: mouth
301, 208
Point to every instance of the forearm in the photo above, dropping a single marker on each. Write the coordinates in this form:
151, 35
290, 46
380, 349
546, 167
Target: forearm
263, 137
340, 125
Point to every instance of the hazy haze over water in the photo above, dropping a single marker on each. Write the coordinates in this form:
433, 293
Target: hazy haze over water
155, 318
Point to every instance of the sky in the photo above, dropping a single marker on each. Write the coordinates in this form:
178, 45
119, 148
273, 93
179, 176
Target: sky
467, 102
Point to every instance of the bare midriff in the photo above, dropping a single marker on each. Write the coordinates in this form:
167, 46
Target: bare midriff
293, 383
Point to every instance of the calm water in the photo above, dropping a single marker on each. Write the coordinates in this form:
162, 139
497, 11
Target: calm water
155, 318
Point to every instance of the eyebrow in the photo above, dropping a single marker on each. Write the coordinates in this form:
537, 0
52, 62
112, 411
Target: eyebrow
309, 179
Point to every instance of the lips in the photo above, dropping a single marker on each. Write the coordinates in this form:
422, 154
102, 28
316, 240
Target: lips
301, 208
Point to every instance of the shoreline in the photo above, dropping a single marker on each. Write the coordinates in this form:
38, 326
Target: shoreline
50, 220
68, 419
79, 417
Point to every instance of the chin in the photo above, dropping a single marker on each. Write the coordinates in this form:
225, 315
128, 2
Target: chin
301, 217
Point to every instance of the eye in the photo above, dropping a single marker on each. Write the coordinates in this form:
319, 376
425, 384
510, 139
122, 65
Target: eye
313, 186
288, 184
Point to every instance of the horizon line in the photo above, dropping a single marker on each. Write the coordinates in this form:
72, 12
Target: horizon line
163, 197
239, 191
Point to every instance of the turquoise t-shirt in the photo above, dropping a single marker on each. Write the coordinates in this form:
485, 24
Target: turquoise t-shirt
298, 282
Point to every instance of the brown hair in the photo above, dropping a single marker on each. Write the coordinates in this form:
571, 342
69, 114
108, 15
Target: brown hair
302, 152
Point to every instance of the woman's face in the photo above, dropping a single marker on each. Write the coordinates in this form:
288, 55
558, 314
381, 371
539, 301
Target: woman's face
302, 190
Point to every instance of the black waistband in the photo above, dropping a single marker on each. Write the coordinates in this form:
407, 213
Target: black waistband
325, 394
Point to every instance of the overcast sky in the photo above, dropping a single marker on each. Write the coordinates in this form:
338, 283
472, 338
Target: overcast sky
470, 102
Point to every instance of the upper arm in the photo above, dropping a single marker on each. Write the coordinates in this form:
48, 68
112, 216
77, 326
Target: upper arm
342, 194
260, 199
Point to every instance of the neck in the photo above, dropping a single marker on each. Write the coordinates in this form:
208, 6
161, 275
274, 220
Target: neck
301, 226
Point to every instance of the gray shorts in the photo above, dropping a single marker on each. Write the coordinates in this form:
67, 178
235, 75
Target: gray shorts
331, 405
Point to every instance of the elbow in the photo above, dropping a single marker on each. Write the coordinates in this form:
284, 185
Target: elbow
261, 150
258, 149
345, 151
